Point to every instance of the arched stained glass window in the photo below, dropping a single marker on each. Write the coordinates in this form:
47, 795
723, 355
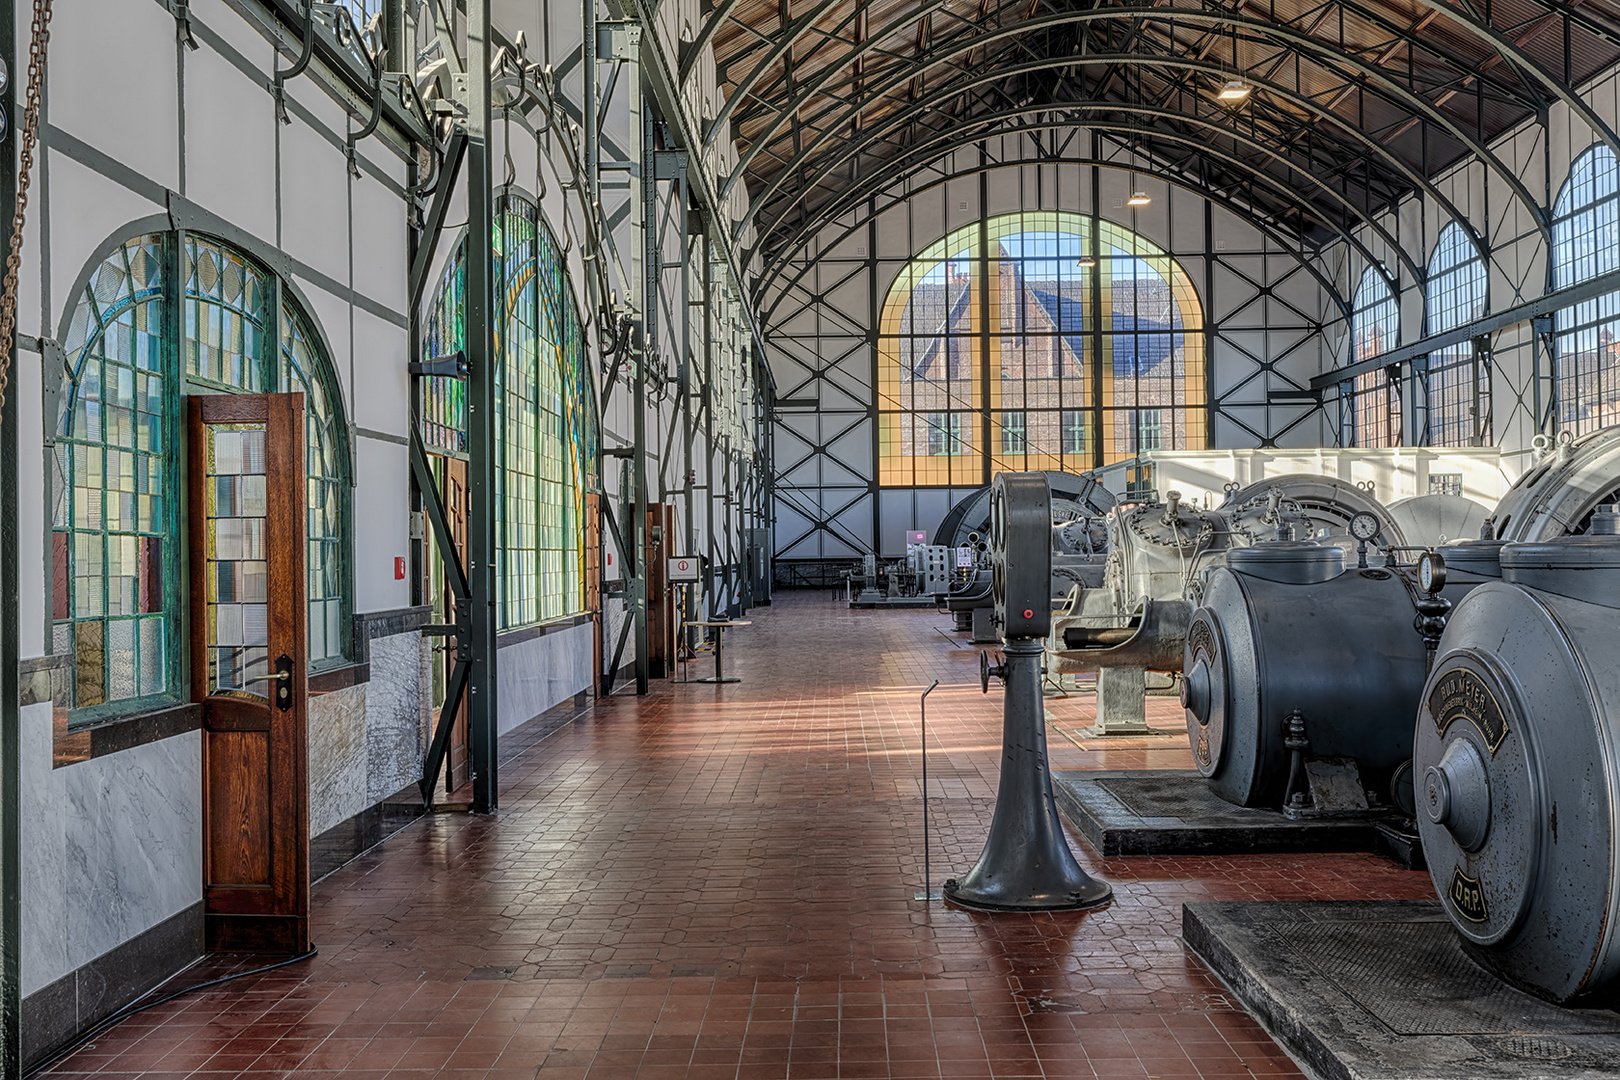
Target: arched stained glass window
326, 452
546, 414
444, 400
1375, 329
1458, 378
1088, 349
113, 542
519, 448
116, 528
1586, 245
229, 321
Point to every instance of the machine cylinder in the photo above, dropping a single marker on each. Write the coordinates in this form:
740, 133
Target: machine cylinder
1342, 651
1482, 558
1293, 562
1517, 749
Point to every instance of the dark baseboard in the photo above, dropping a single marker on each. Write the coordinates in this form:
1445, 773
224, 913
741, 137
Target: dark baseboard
355, 836
54, 1015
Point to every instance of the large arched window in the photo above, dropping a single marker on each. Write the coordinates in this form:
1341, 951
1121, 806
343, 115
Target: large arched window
1375, 329
1088, 349
546, 416
1459, 378
116, 529
1586, 245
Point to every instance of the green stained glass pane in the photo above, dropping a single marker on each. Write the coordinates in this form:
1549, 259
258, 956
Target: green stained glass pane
89, 582
152, 657
89, 663
122, 672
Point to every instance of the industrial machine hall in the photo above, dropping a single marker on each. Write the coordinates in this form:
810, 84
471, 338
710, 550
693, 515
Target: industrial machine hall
810, 539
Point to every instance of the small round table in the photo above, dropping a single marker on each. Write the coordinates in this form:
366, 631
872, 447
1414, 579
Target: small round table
720, 675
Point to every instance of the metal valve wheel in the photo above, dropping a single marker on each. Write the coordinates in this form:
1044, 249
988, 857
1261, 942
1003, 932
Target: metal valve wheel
986, 669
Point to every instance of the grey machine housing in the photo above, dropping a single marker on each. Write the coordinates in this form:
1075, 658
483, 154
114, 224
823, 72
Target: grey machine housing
1517, 760
1286, 629
1159, 555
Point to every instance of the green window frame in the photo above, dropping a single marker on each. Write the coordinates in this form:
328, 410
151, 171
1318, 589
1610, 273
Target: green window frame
134, 347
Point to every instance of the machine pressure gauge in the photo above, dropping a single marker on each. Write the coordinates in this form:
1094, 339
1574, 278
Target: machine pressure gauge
1431, 569
1364, 526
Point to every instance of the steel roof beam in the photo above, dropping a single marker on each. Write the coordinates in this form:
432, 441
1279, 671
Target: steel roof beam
1369, 145
1404, 95
965, 134
1269, 229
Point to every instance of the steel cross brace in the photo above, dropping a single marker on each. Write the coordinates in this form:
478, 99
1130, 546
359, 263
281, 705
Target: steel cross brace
460, 629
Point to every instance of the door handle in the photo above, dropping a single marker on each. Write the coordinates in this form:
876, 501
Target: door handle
283, 678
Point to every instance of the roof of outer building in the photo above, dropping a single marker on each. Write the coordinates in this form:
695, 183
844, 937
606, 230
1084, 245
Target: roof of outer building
1354, 104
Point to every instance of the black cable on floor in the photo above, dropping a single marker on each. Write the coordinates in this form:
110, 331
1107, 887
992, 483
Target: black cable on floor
138, 1007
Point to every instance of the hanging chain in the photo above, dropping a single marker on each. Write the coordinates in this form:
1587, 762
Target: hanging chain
39, 37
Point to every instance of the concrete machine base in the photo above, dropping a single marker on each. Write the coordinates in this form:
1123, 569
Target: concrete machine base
1121, 706
1173, 812
1382, 990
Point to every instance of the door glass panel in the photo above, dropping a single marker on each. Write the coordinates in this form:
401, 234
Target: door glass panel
238, 630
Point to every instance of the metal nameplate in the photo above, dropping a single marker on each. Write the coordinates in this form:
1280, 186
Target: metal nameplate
1202, 639
1467, 896
1462, 695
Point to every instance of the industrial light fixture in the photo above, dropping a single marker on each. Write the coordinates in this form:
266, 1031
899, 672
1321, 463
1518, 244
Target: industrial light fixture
1234, 91
1138, 198
1086, 262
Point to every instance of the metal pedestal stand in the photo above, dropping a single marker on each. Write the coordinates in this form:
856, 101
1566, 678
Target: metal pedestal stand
1026, 864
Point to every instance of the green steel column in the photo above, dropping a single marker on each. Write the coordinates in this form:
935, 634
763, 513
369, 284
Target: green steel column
642, 218
10, 651
483, 711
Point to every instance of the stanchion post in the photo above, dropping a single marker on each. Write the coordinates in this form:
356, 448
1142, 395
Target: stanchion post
928, 875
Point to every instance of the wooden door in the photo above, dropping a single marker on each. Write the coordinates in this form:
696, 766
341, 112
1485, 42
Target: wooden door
666, 590
660, 613
457, 506
249, 659
593, 578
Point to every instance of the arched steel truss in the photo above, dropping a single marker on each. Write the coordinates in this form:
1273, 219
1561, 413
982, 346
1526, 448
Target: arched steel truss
1218, 120
885, 186
1008, 121
1368, 100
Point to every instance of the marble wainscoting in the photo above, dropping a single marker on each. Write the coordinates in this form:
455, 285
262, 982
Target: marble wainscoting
366, 744
539, 672
111, 846
394, 712
338, 755
111, 877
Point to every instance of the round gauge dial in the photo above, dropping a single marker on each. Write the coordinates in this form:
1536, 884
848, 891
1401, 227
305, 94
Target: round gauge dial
1365, 526
1431, 569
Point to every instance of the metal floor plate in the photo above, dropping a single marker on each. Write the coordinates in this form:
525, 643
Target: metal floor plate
1383, 990
1173, 812
1416, 979
1181, 795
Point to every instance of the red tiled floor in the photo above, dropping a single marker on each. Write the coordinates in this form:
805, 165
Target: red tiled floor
715, 884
